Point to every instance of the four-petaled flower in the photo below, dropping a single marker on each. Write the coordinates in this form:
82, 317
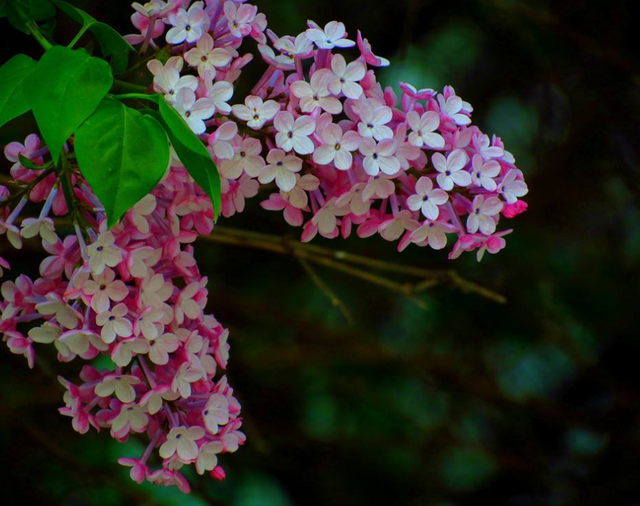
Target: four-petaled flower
216, 413
256, 112
282, 168
206, 57
103, 253
331, 36
316, 93
483, 172
103, 289
194, 111
423, 129
346, 77
121, 385
451, 169
337, 147
373, 121
183, 441
379, 156
294, 134
482, 214
114, 323
427, 199
187, 25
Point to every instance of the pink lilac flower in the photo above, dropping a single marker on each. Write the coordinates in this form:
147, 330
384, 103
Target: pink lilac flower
373, 121
316, 94
331, 36
379, 156
187, 25
194, 110
484, 173
454, 107
256, 112
482, 213
511, 188
293, 134
423, 128
240, 18
206, 58
246, 159
431, 233
427, 199
451, 169
282, 168
345, 77
336, 147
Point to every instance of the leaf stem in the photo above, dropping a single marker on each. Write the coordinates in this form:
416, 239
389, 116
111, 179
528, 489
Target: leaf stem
35, 31
128, 87
140, 96
77, 37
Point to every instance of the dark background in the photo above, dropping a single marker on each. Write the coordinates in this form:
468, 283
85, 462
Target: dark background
466, 402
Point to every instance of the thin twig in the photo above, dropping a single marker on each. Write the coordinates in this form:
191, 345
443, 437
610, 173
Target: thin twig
326, 289
319, 254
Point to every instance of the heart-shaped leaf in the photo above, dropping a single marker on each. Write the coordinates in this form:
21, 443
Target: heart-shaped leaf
192, 153
14, 100
65, 88
123, 154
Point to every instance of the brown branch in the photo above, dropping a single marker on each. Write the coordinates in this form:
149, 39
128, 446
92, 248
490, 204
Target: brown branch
326, 289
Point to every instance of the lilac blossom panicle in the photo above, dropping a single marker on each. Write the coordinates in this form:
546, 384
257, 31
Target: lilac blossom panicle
336, 153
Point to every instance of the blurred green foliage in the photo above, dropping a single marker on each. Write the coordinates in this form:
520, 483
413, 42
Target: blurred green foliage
467, 402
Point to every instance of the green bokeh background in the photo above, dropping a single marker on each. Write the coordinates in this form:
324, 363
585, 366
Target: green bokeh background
467, 402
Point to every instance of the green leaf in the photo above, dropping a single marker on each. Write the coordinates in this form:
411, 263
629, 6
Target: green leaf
14, 100
28, 163
119, 62
21, 12
65, 88
78, 15
192, 153
123, 154
110, 40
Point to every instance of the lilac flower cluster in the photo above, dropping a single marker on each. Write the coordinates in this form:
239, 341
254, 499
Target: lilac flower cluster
134, 294
342, 150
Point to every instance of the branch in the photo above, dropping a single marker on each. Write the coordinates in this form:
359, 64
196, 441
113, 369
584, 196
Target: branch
340, 260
